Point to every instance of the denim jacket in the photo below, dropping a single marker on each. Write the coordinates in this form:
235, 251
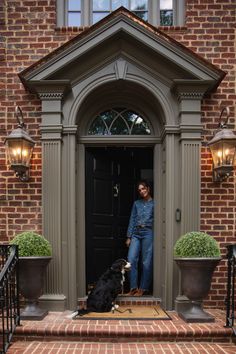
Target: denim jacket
141, 214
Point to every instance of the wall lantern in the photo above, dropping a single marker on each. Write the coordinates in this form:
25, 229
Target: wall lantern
19, 147
223, 148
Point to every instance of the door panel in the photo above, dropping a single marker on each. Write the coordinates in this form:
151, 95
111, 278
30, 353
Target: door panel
111, 177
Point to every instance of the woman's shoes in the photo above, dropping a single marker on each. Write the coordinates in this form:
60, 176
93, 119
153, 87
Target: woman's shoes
132, 292
136, 292
139, 292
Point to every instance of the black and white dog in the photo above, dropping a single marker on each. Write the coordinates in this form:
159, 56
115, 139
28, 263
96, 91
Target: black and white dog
102, 297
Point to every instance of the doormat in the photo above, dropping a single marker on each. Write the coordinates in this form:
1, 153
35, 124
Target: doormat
131, 312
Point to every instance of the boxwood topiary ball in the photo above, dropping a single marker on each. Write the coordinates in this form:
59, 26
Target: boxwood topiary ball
31, 244
196, 244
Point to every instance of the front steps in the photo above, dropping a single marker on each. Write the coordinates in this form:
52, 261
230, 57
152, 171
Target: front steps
56, 326
56, 331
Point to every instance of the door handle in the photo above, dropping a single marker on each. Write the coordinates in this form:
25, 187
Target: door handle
115, 190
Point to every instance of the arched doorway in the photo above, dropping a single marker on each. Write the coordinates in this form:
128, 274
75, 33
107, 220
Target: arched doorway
118, 143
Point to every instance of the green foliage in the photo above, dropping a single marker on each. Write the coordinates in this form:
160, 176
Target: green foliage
32, 244
196, 244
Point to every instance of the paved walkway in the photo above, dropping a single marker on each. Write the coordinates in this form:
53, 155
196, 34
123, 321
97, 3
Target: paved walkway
121, 348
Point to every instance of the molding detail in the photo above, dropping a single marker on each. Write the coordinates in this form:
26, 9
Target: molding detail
189, 96
121, 67
190, 89
70, 129
50, 89
50, 96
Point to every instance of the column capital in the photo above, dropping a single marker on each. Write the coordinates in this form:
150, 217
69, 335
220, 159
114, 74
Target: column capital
190, 89
50, 89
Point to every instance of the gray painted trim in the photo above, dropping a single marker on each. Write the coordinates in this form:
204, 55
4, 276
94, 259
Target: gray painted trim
51, 201
81, 250
60, 10
69, 254
170, 218
190, 185
168, 49
157, 254
180, 12
122, 139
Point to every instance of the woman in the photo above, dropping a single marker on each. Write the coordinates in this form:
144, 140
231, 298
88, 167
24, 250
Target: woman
140, 241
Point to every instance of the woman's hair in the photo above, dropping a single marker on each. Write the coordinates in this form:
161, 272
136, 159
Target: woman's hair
145, 183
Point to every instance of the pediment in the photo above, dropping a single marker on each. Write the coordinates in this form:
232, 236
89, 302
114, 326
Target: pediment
122, 34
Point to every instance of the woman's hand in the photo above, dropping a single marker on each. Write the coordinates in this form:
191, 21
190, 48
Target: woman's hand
127, 242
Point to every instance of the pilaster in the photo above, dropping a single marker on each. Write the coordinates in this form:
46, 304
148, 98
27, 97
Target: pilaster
51, 94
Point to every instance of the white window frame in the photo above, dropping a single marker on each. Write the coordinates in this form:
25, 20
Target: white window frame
153, 13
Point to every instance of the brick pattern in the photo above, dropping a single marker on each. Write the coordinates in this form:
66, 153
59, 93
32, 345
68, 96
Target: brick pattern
121, 348
28, 32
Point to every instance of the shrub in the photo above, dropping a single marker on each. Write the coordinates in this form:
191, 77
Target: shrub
196, 244
32, 244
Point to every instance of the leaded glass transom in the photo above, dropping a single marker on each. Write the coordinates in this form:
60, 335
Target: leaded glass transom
119, 121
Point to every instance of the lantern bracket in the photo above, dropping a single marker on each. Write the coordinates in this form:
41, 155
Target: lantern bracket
223, 125
19, 117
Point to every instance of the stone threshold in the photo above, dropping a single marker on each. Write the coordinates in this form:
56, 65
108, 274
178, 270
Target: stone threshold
128, 300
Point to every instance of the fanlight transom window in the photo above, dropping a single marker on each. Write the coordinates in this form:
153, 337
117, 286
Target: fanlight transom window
119, 121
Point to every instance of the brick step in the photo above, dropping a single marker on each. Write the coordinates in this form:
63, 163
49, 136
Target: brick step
64, 347
128, 300
56, 326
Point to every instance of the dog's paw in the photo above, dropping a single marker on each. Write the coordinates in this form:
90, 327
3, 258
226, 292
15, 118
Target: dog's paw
114, 307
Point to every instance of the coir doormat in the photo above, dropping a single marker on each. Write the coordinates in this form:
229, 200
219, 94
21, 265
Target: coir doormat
131, 312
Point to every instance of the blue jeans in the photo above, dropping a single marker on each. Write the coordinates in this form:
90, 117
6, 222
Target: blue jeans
142, 240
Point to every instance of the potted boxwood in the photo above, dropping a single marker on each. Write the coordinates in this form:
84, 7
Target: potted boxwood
196, 254
34, 256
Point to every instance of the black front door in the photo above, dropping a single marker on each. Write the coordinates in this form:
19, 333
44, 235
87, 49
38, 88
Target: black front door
111, 177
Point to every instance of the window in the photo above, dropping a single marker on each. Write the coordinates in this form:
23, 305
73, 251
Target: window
74, 12
102, 8
119, 121
88, 12
166, 12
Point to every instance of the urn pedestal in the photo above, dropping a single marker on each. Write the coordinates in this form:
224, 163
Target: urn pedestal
196, 276
32, 271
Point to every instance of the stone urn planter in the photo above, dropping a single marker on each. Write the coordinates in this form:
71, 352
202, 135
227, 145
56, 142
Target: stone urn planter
197, 255
34, 257
32, 271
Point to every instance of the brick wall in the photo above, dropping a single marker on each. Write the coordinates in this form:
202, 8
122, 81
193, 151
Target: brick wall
28, 32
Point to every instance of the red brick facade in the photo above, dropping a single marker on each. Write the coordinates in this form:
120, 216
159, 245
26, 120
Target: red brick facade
29, 32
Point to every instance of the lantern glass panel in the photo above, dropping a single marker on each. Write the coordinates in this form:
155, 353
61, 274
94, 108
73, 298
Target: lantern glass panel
19, 152
216, 150
228, 153
223, 153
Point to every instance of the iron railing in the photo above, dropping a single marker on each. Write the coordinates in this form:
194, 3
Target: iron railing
230, 300
9, 295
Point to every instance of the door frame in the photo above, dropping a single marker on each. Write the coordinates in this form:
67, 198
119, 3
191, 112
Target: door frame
81, 234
